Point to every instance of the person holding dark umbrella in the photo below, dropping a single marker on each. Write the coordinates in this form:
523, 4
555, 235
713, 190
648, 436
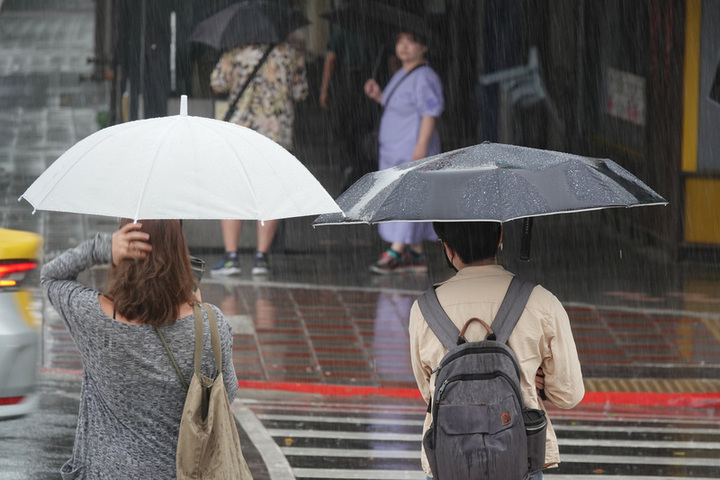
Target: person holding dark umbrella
542, 339
263, 80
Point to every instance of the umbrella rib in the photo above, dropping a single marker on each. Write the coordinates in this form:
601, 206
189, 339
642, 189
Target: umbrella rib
267, 161
239, 163
387, 190
164, 136
66, 171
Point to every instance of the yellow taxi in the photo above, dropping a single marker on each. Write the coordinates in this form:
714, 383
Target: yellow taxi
19, 322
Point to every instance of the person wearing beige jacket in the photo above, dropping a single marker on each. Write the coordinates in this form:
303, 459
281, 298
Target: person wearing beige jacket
542, 339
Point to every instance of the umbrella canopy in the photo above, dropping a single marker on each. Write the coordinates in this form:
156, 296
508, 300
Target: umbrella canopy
377, 20
490, 182
248, 22
179, 167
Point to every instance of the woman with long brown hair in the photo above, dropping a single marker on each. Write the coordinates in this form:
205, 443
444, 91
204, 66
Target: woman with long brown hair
132, 398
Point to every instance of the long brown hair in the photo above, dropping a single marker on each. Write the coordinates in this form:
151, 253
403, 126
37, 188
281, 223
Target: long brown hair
151, 290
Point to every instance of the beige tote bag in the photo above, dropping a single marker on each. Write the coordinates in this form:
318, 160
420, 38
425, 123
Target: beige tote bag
208, 443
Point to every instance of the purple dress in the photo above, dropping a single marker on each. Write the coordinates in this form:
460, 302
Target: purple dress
417, 96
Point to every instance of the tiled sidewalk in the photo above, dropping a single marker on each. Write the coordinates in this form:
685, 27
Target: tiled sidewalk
338, 336
359, 337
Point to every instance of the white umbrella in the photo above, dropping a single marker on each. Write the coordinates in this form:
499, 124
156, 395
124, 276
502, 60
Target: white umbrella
180, 167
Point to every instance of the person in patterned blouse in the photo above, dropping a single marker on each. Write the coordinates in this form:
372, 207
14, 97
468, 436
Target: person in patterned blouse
267, 106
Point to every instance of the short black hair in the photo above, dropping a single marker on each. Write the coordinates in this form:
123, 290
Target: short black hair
473, 241
419, 35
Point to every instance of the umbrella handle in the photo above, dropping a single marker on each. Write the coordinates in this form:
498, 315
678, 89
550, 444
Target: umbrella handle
526, 239
376, 64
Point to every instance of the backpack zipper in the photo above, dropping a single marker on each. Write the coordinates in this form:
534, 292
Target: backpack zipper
473, 350
478, 376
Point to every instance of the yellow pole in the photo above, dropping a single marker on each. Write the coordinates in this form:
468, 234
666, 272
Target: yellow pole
691, 85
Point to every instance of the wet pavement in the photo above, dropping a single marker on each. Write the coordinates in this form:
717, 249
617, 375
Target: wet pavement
322, 335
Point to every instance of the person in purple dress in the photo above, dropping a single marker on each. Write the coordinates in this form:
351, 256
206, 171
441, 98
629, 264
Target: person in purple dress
412, 101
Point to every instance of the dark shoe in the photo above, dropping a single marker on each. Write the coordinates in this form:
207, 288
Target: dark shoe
415, 262
389, 262
261, 265
229, 265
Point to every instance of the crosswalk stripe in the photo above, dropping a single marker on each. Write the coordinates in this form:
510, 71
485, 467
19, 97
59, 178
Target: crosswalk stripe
351, 453
551, 476
352, 420
409, 437
276, 463
631, 428
559, 427
336, 435
342, 474
645, 460
593, 442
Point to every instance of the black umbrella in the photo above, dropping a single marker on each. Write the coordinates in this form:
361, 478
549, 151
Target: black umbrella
249, 22
490, 182
377, 20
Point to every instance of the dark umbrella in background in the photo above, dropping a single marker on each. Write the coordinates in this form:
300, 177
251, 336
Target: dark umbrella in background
378, 23
491, 182
249, 22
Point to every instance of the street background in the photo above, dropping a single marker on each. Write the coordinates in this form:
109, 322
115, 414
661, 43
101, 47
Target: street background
321, 345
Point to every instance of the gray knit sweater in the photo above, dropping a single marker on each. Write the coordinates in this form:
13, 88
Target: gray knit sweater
132, 399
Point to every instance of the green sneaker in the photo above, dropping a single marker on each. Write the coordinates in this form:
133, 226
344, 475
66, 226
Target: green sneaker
389, 262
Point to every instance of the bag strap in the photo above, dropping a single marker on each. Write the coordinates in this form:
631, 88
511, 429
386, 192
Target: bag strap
507, 316
214, 337
232, 106
436, 318
511, 308
390, 94
172, 358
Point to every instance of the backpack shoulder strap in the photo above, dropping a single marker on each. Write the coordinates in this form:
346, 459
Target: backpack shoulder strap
435, 316
511, 308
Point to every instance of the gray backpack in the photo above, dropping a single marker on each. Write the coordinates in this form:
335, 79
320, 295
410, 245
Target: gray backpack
480, 427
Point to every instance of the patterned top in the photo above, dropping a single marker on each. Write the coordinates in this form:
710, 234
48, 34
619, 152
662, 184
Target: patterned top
131, 399
267, 105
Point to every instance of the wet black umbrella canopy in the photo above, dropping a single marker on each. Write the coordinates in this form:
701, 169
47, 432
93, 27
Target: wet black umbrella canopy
248, 22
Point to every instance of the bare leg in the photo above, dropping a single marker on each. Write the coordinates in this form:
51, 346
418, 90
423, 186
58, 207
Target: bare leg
231, 234
266, 234
417, 248
398, 247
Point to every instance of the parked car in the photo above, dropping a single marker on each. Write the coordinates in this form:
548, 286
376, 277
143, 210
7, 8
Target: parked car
19, 322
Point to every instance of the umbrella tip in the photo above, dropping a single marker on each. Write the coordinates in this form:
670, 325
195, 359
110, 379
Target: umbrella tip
183, 105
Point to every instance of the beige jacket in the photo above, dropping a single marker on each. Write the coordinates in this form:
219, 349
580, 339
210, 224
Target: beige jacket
541, 338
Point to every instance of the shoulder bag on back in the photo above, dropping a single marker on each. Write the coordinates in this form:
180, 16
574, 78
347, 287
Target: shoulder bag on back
208, 443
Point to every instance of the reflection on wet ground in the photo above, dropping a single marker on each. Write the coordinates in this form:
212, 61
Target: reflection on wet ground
340, 335
327, 333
